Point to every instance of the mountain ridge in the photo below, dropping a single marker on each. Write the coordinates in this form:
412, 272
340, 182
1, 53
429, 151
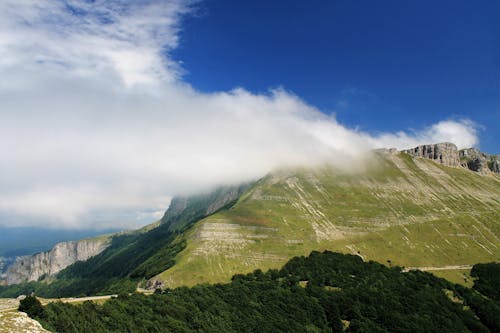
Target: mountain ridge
404, 197
49, 263
379, 214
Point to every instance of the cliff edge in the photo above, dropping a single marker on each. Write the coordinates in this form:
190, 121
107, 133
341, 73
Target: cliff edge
40, 265
447, 153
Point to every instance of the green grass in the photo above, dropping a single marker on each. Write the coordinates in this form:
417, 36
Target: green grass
458, 276
402, 211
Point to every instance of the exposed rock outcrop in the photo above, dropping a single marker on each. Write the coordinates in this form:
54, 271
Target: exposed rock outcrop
5, 262
225, 197
32, 268
183, 210
495, 165
154, 284
478, 161
445, 153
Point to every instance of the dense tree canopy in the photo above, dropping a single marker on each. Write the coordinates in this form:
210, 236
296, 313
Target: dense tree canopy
325, 292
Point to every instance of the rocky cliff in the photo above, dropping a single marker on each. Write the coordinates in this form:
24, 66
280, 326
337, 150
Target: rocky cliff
5, 262
445, 153
478, 161
183, 210
40, 265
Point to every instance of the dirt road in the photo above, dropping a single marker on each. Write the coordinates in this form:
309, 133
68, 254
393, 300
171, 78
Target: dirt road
11, 304
442, 268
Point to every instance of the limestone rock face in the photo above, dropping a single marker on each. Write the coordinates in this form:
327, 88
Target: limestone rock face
174, 211
495, 165
478, 161
445, 153
32, 268
224, 197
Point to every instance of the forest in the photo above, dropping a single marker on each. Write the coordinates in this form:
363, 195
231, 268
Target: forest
324, 292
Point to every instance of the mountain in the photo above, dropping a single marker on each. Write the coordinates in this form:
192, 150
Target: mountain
18, 244
183, 209
62, 255
23, 241
131, 256
401, 210
418, 208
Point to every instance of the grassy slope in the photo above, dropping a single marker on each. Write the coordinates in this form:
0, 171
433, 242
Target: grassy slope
411, 212
459, 276
132, 256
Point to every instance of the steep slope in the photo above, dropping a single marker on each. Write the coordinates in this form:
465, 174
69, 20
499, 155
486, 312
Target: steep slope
403, 210
132, 256
45, 265
185, 209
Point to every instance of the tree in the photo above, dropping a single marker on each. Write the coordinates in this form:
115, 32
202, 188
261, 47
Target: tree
32, 306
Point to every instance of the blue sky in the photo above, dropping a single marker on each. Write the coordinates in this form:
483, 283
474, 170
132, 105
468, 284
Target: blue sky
378, 65
108, 108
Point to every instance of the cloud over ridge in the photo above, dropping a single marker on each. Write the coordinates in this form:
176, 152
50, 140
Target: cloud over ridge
98, 128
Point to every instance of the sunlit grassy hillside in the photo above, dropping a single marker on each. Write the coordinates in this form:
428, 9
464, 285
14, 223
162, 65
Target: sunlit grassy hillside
401, 211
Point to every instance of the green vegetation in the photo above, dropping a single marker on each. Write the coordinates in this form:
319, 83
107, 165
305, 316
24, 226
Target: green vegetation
487, 280
458, 276
400, 211
325, 292
32, 306
117, 269
131, 257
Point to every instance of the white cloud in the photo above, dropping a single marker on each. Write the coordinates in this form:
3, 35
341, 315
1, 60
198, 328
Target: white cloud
462, 132
85, 37
97, 127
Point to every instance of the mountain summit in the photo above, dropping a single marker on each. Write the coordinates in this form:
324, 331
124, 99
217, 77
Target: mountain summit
447, 154
419, 207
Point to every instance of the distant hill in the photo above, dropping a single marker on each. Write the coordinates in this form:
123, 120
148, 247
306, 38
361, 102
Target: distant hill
21, 241
18, 242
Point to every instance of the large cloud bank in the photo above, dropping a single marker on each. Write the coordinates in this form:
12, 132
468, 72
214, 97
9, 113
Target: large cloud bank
98, 129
